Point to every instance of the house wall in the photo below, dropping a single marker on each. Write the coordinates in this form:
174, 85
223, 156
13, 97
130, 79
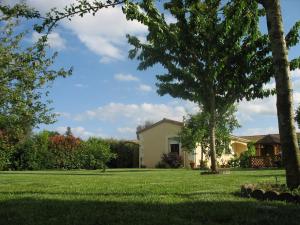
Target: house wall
238, 147
154, 143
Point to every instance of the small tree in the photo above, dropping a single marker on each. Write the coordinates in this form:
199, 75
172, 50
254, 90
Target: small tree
244, 159
96, 154
146, 124
69, 132
196, 132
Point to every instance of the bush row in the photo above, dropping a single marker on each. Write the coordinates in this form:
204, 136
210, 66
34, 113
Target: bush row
48, 150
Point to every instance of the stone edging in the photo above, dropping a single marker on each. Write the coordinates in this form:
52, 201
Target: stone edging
249, 191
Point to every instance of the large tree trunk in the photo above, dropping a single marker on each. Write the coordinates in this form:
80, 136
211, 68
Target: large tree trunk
212, 126
288, 138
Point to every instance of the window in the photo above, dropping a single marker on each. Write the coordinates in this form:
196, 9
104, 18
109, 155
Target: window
174, 148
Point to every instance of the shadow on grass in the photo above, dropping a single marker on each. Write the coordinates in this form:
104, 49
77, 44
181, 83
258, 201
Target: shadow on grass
29, 211
63, 173
77, 172
191, 195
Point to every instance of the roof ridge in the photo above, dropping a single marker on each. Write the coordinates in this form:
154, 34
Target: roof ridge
159, 122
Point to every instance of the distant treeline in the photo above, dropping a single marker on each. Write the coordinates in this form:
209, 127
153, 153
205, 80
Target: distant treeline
50, 150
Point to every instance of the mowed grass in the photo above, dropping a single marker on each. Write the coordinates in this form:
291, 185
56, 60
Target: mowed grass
138, 197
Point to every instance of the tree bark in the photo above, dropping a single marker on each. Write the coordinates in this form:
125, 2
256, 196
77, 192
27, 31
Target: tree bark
212, 125
285, 113
202, 156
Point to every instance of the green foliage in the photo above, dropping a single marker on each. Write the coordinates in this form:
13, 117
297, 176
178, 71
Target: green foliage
245, 156
78, 7
6, 149
127, 154
234, 162
244, 159
25, 76
49, 150
196, 131
170, 160
213, 54
64, 149
96, 154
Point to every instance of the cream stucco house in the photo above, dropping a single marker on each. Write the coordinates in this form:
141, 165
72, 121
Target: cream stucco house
162, 137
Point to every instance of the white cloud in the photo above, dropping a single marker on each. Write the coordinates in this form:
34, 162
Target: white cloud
125, 77
170, 19
126, 130
80, 132
54, 40
144, 88
135, 114
249, 109
258, 131
296, 74
102, 47
103, 34
63, 114
79, 85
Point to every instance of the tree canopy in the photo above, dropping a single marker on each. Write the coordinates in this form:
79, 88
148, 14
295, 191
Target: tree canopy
209, 58
195, 131
25, 75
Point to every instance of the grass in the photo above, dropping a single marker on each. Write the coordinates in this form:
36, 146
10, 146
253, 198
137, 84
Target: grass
138, 197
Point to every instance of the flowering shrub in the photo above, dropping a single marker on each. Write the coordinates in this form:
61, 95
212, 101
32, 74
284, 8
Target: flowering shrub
170, 160
49, 150
64, 149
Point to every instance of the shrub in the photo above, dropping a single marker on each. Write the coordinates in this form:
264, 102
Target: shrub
127, 154
64, 150
244, 159
173, 160
6, 150
234, 162
162, 165
95, 154
203, 164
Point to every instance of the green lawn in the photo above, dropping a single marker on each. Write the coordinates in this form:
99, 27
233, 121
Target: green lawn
146, 197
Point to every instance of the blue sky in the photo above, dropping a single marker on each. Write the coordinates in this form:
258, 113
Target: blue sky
108, 97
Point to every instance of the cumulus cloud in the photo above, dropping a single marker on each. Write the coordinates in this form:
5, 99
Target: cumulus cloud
261, 130
63, 114
266, 106
144, 88
261, 107
79, 132
137, 113
103, 34
125, 77
126, 130
55, 41
79, 85
296, 74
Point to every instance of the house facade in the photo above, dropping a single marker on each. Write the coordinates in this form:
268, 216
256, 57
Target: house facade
158, 139
163, 138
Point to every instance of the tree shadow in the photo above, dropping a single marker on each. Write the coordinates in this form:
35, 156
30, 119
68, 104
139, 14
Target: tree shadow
62, 173
78, 172
144, 193
30, 211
